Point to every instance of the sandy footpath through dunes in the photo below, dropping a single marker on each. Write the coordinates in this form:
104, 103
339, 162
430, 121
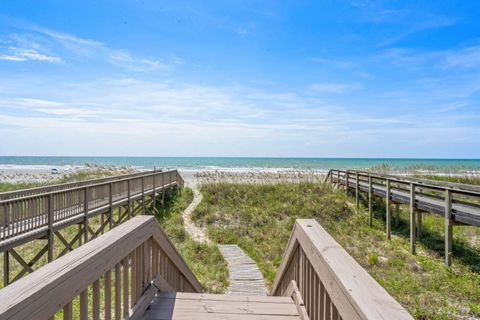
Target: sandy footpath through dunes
197, 233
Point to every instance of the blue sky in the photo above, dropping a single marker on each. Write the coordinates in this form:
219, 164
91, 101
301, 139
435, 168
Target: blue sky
354, 78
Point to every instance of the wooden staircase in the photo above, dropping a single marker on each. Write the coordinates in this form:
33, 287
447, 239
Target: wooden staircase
135, 272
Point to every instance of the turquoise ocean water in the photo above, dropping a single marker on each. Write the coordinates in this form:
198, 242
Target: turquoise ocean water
224, 162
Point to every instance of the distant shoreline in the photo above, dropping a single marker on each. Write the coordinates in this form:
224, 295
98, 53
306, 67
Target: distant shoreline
24, 173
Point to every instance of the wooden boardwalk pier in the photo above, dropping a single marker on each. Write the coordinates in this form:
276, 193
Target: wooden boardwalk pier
459, 204
42, 213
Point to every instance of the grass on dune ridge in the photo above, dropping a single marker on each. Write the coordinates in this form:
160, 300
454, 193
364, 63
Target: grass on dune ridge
259, 218
74, 177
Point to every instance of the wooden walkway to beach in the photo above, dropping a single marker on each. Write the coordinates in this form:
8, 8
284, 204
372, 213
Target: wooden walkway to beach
135, 272
42, 213
245, 277
459, 204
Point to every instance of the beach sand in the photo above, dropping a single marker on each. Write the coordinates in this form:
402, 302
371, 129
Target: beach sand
43, 173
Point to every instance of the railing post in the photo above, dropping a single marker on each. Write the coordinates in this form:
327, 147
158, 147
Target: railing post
129, 199
154, 196
346, 183
163, 188
389, 213
448, 227
412, 218
85, 222
370, 201
338, 179
50, 227
357, 185
110, 198
143, 194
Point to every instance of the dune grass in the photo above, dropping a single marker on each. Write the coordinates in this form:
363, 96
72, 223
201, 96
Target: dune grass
259, 218
467, 179
74, 177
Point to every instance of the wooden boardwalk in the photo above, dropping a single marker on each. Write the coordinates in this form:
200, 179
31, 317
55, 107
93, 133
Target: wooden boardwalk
245, 277
459, 204
42, 213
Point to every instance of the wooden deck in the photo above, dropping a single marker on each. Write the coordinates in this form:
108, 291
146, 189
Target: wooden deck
186, 306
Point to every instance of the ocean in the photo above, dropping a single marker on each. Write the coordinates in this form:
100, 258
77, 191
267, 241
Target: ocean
239, 163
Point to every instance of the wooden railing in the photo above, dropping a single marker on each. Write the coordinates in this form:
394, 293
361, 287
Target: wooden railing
64, 186
331, 284
115, 275
41, 214
25, 212
457, 203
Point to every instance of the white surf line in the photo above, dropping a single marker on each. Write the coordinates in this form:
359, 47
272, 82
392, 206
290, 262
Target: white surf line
198, 234
245, 277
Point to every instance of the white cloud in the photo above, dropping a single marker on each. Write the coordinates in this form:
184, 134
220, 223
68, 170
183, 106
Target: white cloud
37, 44
160, 118
24, 54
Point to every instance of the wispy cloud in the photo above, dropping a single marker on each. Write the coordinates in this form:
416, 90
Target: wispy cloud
465, 58
21, 54
126, 60
44, 45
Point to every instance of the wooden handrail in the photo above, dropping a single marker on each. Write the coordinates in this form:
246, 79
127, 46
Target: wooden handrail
457, 204
460, 188
64, 186
332, 284
137, 257
27, 212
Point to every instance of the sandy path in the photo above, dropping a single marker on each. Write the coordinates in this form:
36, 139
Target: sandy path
198, 234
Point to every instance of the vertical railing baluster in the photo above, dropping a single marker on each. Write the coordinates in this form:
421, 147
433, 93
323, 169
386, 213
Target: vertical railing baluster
108, 295
96, 300
84, 305
118, 292
126, 307
67, 311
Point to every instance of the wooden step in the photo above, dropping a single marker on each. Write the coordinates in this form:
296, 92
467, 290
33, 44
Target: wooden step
180, 306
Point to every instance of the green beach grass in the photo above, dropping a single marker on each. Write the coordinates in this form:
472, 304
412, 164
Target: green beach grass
259, 218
